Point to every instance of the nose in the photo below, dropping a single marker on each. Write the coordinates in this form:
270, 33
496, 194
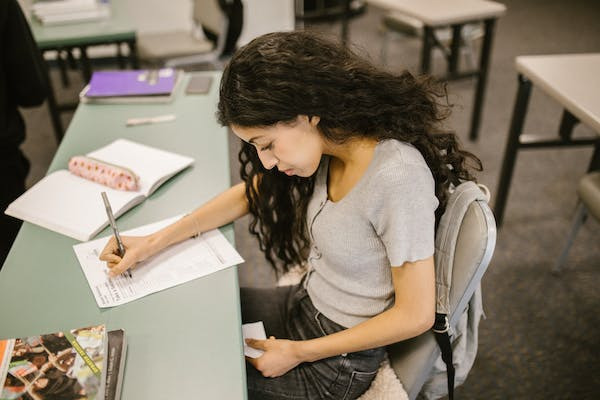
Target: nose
268, 160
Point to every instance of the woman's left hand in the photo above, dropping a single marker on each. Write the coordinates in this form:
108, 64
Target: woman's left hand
279, 356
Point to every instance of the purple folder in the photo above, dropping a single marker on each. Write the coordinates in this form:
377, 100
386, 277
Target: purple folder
132, 83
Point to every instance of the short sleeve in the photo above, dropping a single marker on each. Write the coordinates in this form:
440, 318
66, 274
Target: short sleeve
403, 212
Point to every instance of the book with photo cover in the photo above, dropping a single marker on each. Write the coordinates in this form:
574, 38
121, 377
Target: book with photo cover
71, 364
71, 205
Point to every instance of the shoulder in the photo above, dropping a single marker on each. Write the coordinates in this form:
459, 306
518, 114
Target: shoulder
401, 163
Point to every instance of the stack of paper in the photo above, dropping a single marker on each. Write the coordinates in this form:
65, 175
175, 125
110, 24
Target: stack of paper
57, 12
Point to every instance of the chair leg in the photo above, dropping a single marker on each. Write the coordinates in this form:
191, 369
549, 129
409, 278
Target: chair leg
578, 220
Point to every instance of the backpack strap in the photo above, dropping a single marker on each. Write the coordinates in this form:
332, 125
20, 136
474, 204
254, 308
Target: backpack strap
445, 243
443, 340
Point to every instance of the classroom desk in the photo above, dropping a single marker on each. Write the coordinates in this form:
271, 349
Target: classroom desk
116, 29
184, 342
435, 14
572, 81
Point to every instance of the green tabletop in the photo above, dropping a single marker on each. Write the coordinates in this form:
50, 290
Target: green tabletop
184, 342
116, 28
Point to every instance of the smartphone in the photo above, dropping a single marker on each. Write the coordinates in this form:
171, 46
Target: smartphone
198, 84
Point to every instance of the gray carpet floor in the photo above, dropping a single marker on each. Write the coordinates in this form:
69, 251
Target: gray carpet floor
540, 339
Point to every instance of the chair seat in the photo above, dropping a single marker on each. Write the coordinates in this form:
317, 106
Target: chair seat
589, 192
164, 45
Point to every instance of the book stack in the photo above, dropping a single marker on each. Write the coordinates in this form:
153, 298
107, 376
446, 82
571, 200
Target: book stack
85, 363
131, 86
58, 12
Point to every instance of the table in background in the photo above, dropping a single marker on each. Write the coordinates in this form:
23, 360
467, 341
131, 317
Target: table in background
570, 79
184, 342
117, 30
435, 14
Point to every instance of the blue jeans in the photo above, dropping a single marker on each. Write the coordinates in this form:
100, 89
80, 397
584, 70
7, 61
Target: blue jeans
288, 313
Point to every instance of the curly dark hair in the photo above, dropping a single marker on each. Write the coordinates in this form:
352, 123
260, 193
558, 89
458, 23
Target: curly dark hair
279, 76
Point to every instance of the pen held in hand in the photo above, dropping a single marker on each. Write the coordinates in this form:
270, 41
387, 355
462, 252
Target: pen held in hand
113, 225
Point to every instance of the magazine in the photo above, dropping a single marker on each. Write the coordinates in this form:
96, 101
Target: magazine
70, 364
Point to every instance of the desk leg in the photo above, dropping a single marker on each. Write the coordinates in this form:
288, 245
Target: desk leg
484, 61
595, 163
62, 66
120, 59
454, 50
52, 105
426, 51
567, 123
86, 67
133, 58
512, 145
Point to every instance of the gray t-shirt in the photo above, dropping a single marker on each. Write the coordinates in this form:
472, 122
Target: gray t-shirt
385, 220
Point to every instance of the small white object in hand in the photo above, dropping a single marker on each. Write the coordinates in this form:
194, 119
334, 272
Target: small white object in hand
254, 330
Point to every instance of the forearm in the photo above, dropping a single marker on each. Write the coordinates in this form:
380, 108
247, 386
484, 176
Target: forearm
221, 210
386, 328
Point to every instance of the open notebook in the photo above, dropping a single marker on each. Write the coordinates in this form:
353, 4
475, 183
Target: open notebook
72, 206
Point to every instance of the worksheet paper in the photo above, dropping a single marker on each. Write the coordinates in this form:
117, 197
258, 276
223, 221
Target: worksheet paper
191, 259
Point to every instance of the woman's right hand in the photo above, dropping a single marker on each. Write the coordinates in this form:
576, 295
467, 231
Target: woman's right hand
137, 249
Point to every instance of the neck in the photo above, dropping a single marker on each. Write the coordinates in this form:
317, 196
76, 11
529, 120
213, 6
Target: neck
352, 151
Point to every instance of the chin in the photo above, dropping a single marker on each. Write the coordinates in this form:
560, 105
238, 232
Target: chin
304, 174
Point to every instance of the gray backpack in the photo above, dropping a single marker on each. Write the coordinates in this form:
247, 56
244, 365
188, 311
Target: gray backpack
432, 364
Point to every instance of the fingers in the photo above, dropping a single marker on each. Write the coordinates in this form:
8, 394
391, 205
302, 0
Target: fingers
116, 264
110, 251
110, 258
118, 268
257, 344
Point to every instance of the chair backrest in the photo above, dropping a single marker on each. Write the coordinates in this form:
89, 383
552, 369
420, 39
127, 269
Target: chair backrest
221, 21
413, 359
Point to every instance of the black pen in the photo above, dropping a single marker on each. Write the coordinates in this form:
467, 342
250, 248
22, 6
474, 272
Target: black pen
113, 225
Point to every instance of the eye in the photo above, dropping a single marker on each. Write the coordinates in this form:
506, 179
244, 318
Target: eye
267, 147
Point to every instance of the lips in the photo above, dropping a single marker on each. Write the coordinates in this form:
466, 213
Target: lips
289, 172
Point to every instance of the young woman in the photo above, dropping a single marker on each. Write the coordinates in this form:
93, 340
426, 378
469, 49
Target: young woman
344, 167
